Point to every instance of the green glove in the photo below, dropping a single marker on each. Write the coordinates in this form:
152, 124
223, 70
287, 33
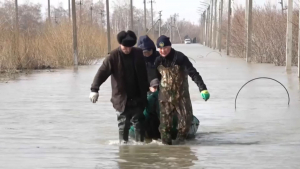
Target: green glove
205, 95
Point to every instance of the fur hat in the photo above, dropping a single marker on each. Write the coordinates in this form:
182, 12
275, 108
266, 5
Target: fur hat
127, 39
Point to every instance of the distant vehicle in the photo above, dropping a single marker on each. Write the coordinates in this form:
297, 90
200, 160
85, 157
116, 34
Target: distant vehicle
187, 41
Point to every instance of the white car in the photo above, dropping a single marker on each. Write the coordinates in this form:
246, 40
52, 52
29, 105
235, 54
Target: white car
187, 41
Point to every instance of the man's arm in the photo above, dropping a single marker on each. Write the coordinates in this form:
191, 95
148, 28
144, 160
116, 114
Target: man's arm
194, 74
103, 73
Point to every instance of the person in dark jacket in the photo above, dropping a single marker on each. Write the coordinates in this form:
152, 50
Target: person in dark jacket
129, 83
173, 67
152, 110
150, 55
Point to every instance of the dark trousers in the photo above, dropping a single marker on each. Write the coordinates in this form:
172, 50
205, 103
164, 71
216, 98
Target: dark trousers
131, 116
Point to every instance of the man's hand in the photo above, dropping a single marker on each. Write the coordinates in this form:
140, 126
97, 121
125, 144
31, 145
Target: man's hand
94, 97
153, 89
205, 95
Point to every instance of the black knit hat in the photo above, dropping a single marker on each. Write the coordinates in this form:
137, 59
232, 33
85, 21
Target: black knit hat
127, 39
163, 41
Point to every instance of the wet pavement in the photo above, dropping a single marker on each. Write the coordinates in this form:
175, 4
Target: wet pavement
47, 120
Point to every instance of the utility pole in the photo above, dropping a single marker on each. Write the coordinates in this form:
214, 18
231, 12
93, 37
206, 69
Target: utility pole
299, 49
220, 25
215, 26
207, 26
204, 28
75, 47
159, 27
179, 34
91, 8
289, 35
17, 29
171, 38
228, 28
49, 17
175, 25
249, 31
246, 14
151, 1
80, 17
211, 24
131, 15
69, 7
145, 16
138, 28
246, 22
108, 27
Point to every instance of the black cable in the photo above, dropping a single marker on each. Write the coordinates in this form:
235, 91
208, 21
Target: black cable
263, 78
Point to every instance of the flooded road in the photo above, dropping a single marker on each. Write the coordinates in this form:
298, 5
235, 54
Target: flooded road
48, 121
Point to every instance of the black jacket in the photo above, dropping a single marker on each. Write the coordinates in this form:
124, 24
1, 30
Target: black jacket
113, 66
181, 61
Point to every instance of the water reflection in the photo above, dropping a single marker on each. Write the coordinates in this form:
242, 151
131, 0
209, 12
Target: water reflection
155, 157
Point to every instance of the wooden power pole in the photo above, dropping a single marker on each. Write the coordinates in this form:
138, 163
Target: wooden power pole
299, 49
249, 31
151, 1
159, 27
228, 28
75, 47
211, 24
289, 35
215, 26
69, 7
80, 16
246, 13
207, 27
108, 27
91, 8
145, 16
131, 15
220, 25
171, 38
49, 17
204, 28
16, 29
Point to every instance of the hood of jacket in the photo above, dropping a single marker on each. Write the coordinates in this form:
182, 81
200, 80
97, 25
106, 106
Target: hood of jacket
145, 43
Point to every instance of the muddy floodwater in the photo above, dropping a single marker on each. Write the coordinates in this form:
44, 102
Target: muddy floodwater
47, 121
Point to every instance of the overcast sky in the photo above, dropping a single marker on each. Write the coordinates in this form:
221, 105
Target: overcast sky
185, 8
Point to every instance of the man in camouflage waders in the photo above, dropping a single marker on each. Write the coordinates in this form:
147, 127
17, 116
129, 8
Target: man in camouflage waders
173, 67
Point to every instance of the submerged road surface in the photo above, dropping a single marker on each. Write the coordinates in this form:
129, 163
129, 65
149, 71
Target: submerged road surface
48, 121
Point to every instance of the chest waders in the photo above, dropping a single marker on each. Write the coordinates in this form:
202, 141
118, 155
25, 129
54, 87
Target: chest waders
174, 100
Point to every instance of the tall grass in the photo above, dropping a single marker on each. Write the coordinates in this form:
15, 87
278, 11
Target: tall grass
51, 46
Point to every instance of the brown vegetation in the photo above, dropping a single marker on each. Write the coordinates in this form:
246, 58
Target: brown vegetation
269, 35
43, 44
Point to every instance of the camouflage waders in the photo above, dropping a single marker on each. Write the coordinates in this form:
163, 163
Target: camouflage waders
174, 99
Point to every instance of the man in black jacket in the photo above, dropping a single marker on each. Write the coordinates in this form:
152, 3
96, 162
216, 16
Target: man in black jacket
173, 67
129, 83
